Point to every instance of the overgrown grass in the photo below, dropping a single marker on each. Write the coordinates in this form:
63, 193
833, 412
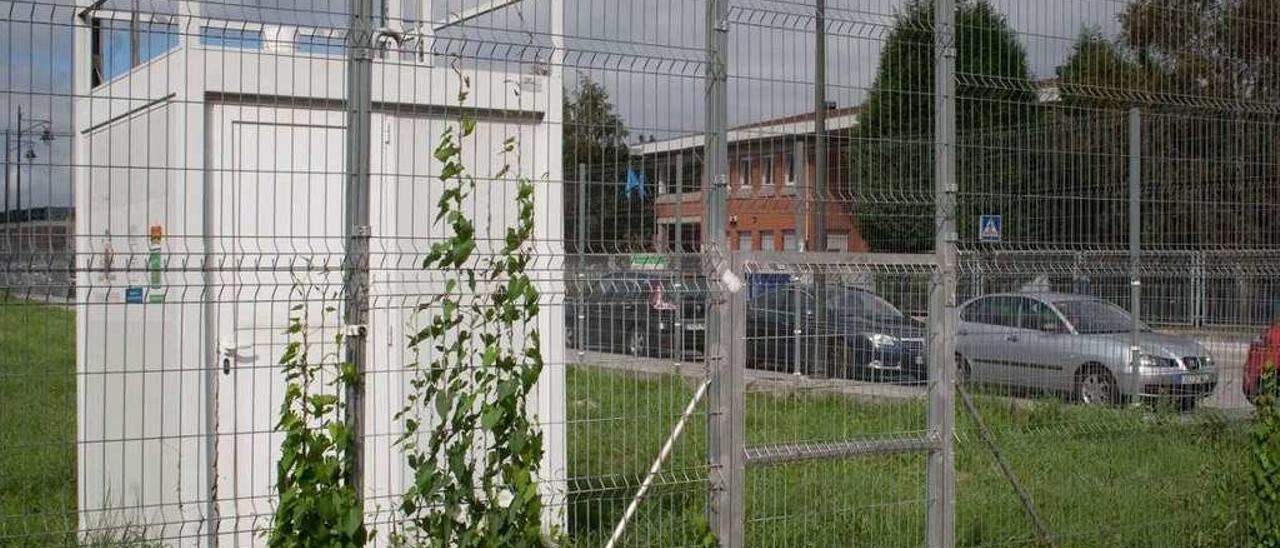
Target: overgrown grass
37, 425
1123, 477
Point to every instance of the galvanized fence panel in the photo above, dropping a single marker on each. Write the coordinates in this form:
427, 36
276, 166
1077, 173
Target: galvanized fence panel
811, 272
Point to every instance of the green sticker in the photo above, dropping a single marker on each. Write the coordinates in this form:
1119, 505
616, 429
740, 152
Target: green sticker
154, 265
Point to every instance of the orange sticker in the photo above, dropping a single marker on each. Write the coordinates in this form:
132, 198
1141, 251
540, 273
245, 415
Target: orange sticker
157, 232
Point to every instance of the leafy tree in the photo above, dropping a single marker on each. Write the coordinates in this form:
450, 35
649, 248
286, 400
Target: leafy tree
1205, 74
893, 153
1210, 48
595, 137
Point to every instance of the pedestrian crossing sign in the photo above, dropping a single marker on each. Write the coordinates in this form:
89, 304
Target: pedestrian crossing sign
989, 228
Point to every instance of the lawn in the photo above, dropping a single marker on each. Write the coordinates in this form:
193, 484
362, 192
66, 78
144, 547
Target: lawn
1126, 477
37, 424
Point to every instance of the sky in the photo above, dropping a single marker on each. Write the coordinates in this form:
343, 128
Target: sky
648, 54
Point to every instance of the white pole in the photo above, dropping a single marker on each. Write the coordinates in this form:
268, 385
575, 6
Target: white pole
657, 464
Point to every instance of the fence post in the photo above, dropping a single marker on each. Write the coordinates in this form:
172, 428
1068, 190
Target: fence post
819, 208
579, 277
356, 284
1135, 231
725, 446
940, 518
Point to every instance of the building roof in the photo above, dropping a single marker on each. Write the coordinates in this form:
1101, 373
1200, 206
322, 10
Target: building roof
798, 124
1047, 91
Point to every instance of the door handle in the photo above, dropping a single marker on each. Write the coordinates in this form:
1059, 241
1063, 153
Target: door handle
1011, 338
226, 365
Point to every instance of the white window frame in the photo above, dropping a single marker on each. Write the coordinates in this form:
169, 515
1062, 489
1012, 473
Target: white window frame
766, 171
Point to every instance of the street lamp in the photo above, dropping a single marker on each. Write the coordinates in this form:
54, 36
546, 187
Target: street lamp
46, 136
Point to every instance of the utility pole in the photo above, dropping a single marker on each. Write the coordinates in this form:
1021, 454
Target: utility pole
18, 169
356, 284
6, 176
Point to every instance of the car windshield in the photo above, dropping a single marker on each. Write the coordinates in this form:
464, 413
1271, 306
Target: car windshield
1094, 316
864, 303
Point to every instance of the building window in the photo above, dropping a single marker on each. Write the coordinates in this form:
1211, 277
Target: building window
838, 241
766, 241
789, 241
319, 44
793, 168
666, 175
113, 45
766, 170
219, 37
744, 241
744, 173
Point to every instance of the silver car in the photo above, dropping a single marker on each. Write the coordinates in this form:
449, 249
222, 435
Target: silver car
1062, 342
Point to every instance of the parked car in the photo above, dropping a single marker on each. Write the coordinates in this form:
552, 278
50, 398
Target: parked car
1263, 351
1080, 344
638, 312
863, 335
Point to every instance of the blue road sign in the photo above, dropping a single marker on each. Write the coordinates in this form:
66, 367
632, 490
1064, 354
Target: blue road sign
990, 228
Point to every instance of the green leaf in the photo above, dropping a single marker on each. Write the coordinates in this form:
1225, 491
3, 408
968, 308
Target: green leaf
490, 417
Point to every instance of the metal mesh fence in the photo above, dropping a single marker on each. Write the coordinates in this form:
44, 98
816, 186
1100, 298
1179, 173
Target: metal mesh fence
819, 272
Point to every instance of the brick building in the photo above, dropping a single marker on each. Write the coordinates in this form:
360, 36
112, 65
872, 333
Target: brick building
771, 168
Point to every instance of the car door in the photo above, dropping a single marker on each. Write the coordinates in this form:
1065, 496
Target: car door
988, 337
1044, 346
772, 328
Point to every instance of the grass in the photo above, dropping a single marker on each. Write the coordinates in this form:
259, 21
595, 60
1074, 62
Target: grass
37, 425
1126, 477
1110, 477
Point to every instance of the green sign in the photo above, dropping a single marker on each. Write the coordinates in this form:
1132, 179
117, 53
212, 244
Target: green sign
648, 261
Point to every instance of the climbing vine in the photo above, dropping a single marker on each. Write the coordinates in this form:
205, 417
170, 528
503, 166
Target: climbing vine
1264, 508
316, 503
467, 436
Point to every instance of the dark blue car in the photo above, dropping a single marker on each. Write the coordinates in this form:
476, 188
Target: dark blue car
861, 335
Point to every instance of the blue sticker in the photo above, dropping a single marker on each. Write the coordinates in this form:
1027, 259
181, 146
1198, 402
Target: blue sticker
133, 295
990, 228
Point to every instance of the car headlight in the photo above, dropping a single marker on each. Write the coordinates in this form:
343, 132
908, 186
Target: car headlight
1149, 361
880, 340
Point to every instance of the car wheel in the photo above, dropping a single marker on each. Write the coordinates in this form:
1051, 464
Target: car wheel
638, 342
964, 370
1096, 386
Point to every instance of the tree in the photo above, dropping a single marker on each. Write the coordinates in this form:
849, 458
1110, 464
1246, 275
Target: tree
595, 138
1211, 48
893, 151
1204, 74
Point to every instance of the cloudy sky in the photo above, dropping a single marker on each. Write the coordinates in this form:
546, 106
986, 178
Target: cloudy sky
648, 53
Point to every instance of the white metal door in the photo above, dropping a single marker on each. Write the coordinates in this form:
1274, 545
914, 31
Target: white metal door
275, 214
